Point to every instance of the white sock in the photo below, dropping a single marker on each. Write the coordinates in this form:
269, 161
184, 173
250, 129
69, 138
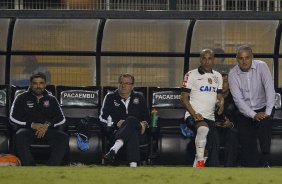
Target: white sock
195, 161
118, 144
200, 141
132, 164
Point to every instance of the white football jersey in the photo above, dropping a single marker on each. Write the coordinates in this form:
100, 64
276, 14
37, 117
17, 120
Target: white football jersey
204, 88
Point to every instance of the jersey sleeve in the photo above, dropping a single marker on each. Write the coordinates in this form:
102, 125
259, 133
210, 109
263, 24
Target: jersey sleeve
220, 83
188, 81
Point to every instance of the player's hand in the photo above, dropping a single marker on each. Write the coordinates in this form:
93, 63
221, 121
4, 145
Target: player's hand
40, 133
226, 124
40, 129
260, 116
144, 125
120, 123
43, 130
198, 117
220, 106
36, 126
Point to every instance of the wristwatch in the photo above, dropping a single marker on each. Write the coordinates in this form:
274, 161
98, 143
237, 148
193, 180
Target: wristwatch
48, 123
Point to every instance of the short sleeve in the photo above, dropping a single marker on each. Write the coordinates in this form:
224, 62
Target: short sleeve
188, 80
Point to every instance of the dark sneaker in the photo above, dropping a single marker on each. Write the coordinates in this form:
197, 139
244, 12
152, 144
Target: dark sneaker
266, 165
110, 156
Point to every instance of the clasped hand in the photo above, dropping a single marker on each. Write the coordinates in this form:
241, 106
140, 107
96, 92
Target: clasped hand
220, 106
40, 129
260, 116
120, 122
198, 117
224, 124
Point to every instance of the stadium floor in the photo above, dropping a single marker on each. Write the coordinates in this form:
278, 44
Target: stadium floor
146, 174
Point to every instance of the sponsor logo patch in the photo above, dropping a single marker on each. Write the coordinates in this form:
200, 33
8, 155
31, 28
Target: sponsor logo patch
30, 104
208, 88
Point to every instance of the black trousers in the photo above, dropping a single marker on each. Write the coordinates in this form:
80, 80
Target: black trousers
212, 146
230, 141
130, 133
250, 134
57, 139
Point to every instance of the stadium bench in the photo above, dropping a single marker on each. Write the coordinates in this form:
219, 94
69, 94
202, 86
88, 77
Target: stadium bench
4, 119
82, 103
169, 145
276, 142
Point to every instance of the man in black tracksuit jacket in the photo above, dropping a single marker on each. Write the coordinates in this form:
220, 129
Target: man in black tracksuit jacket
226, 126
37, 115
129, 113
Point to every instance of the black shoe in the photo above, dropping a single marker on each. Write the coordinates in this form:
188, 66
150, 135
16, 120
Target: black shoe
110, 156
267, 165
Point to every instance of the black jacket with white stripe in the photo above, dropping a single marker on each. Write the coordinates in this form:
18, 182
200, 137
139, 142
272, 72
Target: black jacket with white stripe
114, 106
27, 109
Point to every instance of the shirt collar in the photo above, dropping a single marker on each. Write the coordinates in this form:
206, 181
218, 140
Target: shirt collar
254, 66
201, 71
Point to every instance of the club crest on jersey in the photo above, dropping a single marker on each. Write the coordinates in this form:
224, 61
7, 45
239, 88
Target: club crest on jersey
46, 104
210, 80
30, 104
215, 79
136, 101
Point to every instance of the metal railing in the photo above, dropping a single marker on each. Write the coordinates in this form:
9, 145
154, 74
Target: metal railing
202, 5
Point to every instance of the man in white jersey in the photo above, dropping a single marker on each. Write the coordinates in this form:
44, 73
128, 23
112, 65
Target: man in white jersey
201, 96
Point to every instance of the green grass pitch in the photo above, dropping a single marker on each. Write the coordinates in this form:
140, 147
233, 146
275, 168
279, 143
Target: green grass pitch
142, 175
